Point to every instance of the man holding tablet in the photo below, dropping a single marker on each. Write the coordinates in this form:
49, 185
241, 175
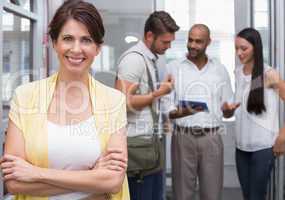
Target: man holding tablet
202, 88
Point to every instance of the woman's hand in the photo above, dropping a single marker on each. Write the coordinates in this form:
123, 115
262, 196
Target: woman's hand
15, 168
279, 146
112, 159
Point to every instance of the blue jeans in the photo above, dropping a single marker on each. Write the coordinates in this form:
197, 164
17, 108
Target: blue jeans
151, 188
254, 170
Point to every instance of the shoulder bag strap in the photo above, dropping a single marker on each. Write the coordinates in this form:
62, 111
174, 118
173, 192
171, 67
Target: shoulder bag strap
155, 116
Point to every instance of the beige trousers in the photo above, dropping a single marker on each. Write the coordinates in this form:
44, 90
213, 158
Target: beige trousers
197, 158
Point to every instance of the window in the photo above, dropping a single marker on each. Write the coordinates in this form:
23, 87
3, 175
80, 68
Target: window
22, 25
16, 55
25, 4
19, 37
261, 21
124, 24
180, 12
222, 28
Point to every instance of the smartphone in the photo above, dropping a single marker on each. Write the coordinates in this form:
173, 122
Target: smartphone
194, 105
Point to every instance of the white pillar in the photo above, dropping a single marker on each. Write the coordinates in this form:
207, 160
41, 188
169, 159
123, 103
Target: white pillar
278, 59
1, 105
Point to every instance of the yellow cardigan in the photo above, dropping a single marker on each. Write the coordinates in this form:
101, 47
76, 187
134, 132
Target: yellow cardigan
29, 108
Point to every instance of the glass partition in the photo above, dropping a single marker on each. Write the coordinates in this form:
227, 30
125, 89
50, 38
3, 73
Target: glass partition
261, 21
25, 4
124, 25
16, 56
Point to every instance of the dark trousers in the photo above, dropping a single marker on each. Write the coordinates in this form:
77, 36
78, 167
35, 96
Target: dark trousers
151, 188
254, 170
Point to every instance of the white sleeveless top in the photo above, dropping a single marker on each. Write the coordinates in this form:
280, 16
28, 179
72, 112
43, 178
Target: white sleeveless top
73, 147
255, 132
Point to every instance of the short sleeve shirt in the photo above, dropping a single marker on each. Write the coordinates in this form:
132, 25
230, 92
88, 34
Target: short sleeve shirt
132, 68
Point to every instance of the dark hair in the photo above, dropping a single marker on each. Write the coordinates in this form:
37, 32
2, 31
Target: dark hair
81, 11
160, 22
255, 102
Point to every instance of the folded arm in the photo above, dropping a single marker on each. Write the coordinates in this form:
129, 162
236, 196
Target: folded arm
14, 145
34, 189
21, 177
101, 179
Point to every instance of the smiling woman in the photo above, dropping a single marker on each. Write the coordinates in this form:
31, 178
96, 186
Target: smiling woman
77, 147
75, 48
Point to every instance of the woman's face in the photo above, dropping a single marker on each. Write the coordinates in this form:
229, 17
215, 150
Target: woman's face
244, 50
75, 47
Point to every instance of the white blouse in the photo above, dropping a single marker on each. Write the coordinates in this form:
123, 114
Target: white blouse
73, 147
255, 132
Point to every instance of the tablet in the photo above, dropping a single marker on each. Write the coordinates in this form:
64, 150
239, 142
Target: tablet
194, 104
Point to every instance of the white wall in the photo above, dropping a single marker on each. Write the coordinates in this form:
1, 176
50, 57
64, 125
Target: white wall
124, 6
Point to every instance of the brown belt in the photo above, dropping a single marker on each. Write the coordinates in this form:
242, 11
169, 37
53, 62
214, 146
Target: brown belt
197, 131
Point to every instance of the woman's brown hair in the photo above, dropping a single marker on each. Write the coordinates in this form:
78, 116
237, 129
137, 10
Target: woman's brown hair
81, 11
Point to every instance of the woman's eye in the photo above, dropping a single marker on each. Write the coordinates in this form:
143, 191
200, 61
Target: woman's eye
87, 40
67, 38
